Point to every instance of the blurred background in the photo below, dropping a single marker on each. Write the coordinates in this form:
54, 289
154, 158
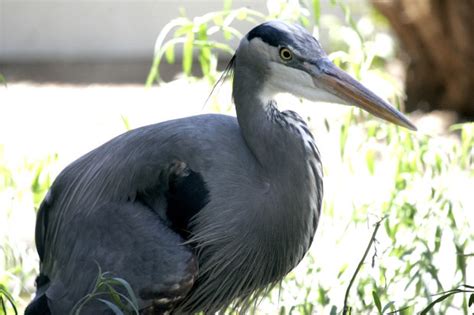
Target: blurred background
74, 74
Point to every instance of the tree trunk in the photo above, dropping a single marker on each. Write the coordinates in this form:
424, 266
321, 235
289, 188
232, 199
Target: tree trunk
437, 36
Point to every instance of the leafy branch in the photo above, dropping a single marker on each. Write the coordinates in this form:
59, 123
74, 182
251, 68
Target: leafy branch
194, 34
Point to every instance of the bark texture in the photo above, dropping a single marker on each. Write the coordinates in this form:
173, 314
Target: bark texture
438, 39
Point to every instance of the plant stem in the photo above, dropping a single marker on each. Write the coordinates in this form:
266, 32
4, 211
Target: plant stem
347, 309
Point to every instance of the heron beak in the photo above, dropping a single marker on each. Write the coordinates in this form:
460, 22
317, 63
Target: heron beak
329, 77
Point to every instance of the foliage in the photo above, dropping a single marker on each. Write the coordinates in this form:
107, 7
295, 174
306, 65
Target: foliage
418, 181
195, 35
23, 184
6, 302
114, 292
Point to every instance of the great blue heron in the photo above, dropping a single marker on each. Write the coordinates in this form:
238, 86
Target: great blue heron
202, 212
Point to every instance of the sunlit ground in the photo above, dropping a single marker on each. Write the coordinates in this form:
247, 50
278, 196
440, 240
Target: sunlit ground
45, 127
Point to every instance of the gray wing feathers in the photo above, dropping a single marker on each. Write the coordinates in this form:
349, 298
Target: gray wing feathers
131, 243
91, 209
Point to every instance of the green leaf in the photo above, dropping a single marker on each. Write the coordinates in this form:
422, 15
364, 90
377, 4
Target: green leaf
227, 35
169, 54
129, 289
227, 5
387, 306
439, 300
326, 125
438, 238
126, 122
114, 295
182, 23
184, 30
112, 306
202, 32
317, 11
205, 60
471, 300
188, 54
342, 270
377, 303
323, 298
406, 310
242, 15
205, 50
304, 21
370, 159
9, 298
460, 258
218, 20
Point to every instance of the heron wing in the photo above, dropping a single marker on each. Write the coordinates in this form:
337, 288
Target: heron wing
127, 241
156, 177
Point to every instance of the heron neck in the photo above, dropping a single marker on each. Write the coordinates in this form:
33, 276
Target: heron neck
271, 143
295, 189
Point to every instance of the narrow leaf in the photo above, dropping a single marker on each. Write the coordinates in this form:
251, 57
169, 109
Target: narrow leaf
4, 309
437, 238
377, 303
114, 295
184, 30
370, 160
188, 54
227, 5
129, 289
387, 306
126, 122
326, 124
112, 306
316, 11
438, 300
169, 54
4, 292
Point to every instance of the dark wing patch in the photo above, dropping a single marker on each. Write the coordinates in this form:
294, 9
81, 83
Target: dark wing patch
187, 194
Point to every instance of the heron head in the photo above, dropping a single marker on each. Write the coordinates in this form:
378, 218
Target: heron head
292, 60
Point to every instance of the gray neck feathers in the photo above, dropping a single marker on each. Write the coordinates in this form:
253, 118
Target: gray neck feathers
272, 143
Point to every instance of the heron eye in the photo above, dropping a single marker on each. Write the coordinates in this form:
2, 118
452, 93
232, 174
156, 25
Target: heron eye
285, 54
